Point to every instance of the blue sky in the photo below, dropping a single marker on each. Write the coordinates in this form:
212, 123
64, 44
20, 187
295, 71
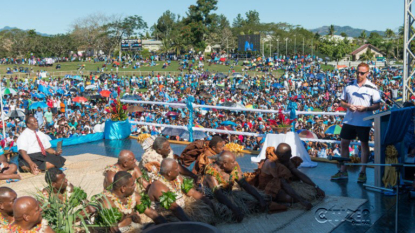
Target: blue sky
56, 16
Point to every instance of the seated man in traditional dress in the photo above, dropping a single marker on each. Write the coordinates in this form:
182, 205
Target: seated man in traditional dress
200, 151
7, 198
27, 217
220, 178
277, 171
123, 197
126, 162
160, 150
57, 184
167, 180
35, 152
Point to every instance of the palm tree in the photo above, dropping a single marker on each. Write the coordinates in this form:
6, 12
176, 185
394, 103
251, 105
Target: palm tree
389, 33
331, 30
387, 48
367, 56
363, 36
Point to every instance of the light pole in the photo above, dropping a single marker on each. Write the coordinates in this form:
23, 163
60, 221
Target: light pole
286, 47
270, 45
303, 46
295, 43
278, 46
312, 47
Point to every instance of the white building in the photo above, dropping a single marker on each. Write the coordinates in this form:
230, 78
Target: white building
152, 45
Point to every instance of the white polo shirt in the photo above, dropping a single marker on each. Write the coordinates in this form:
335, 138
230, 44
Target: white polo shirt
364, 96
27, 141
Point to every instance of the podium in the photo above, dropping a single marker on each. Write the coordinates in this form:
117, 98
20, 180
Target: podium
390, 129
381, 121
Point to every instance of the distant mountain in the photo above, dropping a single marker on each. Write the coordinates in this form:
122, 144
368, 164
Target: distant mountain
351, 32
10, 28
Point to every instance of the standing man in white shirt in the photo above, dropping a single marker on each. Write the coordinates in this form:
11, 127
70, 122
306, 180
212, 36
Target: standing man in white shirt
361, 99
35, 152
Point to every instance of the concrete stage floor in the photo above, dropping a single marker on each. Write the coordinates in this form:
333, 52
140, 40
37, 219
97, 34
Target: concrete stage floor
381, 208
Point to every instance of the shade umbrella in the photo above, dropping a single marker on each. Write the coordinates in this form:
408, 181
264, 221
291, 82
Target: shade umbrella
131, 97
340, 109
95, 97
172, 131
135, 108
307, 134
249, 106
229, 104
243, 87
105, 93
73, 89
172, 113
8, 91
16, 114
196, 135
228, 123
220, 75
35, 105
80, 99
334, 129
199, 126
176, 106
91, 87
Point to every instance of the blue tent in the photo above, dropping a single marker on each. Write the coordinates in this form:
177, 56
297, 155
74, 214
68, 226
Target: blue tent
35, 105
228, 123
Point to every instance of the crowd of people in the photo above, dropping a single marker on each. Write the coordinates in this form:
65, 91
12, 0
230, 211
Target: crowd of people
303, 81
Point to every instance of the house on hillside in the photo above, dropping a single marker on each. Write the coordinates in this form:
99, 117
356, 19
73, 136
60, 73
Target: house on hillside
363, 49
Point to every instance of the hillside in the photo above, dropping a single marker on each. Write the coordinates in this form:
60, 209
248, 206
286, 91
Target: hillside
351, 32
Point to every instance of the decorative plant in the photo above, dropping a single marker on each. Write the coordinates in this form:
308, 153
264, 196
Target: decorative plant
145, 174
63, 216
118, 110
167, 198
187, 185
145, 203
283, 123
108, 217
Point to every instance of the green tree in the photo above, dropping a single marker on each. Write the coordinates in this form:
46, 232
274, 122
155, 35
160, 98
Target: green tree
375, 39
363, 36
343, 34
165, 24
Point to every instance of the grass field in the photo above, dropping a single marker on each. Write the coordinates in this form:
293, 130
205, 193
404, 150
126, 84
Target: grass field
72, 67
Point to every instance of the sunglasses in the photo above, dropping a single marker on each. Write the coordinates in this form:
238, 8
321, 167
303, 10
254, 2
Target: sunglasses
361, 73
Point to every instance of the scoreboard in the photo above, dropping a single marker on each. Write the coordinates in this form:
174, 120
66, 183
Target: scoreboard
131, 45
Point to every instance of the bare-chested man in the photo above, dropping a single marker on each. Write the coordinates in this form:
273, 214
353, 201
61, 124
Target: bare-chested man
126, 162
168, 179
276, 174
7, 198
221, 176
123, 197
27, 217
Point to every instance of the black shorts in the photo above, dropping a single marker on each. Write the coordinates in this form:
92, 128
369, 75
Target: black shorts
349, 132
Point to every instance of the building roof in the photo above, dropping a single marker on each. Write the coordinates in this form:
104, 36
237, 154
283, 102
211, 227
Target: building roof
361, 48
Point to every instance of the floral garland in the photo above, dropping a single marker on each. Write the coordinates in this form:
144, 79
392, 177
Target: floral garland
233, 176
176, 182
125, 209
39, 228
3, 221
115, 169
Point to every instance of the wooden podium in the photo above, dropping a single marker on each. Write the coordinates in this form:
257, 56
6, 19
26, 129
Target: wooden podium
381, 124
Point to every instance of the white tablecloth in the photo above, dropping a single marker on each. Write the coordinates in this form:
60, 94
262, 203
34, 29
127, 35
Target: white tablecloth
292, 139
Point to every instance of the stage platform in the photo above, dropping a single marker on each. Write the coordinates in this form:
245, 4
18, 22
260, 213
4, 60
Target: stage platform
86, 162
